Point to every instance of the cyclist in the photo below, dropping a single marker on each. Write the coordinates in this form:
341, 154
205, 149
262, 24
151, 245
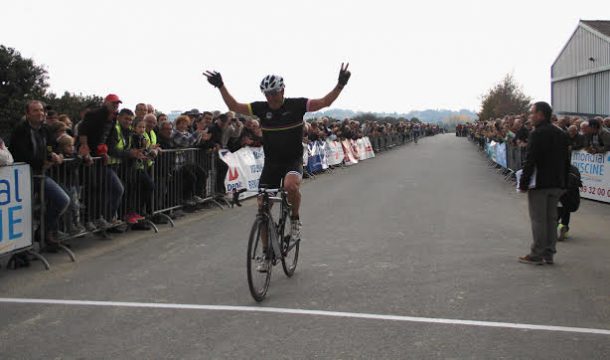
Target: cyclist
416, 131
282, 126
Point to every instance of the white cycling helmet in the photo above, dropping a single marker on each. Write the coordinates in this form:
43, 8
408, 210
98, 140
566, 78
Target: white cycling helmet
272, 83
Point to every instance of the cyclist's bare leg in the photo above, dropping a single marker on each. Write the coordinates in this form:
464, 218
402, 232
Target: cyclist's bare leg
292, 184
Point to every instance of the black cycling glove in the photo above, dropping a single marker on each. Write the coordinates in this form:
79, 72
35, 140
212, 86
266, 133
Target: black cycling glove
214, 78
344, 75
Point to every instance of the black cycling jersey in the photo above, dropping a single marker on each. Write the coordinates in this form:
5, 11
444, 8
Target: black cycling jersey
282, 129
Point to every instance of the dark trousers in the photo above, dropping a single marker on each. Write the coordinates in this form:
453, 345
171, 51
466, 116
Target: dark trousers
542, 205
563, 215
222, 170
195, 178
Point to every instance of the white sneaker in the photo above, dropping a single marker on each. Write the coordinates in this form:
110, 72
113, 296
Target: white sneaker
262, 265
295, 229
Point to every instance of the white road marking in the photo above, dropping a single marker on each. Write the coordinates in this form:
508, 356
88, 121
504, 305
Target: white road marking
274, 310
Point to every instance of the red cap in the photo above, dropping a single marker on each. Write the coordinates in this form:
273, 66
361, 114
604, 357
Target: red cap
112, 98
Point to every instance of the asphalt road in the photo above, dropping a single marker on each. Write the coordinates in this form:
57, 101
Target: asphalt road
427, 233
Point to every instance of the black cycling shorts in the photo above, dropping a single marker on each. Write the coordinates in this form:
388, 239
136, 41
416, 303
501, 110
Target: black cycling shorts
274, 172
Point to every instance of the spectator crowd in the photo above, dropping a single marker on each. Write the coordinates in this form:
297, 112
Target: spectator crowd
99, 172
323, 129
591, 135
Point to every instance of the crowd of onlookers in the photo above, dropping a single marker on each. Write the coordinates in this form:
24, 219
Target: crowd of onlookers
120, 146
323, 128
99, 168
591, 135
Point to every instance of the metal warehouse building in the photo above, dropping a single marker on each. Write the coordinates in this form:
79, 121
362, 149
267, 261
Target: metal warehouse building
580, 76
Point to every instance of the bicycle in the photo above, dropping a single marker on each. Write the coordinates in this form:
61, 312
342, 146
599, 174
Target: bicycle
280, 246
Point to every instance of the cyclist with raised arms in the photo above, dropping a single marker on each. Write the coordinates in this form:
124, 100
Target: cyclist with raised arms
282, 125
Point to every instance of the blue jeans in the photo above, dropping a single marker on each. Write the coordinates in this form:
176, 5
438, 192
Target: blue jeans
56, 201
115, 190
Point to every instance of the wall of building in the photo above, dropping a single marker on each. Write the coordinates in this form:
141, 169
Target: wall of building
579, 85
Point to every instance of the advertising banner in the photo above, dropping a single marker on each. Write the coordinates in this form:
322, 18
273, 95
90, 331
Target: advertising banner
322, 150
234, 179
355, 149
15, 208
245, 167
350, 158
501, 155
334, 153
314, 163
491, 150
370, 153
361, 149
595, 174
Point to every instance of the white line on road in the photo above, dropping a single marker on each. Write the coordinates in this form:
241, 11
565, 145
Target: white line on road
309, 312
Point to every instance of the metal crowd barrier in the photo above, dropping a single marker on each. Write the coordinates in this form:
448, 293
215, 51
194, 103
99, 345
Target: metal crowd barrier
515, 156
385, 142
152, 189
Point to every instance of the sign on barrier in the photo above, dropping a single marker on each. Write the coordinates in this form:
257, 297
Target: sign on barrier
322, 145
595, 174
15, 208
334, 153
314, 163
246, 164
245, 167
368, 148
501, 155
350, 157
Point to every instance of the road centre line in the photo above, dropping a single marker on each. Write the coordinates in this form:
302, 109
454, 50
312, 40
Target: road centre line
275, 310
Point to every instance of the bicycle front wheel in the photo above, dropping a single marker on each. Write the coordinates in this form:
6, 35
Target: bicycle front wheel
259, 263
290, 251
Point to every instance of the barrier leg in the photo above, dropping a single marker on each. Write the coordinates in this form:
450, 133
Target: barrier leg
168, 218
67, 251
38, 256
152, 225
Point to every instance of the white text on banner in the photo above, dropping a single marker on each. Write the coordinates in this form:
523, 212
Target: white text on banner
595, 174
15, 208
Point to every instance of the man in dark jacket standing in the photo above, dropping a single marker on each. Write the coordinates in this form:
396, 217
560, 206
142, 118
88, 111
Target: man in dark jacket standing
29, 144
548, 159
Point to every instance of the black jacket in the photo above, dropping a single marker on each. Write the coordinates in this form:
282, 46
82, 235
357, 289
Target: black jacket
577, 142
96, 126
548, 153
29, 145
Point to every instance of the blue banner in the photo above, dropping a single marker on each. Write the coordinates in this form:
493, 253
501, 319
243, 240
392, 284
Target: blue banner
501, 155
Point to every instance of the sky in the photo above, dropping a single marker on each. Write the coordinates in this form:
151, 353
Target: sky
403, 56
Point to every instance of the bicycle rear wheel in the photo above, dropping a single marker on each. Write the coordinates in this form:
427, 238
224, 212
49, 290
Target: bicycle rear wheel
258, 281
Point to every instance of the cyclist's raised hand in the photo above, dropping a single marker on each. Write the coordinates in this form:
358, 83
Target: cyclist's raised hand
344, 75
214, 78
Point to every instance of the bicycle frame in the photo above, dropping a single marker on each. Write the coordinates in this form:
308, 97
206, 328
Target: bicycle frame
274, 228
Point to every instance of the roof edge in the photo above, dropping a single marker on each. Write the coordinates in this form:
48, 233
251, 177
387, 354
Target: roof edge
590, 29
594, 30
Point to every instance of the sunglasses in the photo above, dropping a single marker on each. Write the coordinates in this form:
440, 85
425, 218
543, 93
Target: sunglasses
272, 92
